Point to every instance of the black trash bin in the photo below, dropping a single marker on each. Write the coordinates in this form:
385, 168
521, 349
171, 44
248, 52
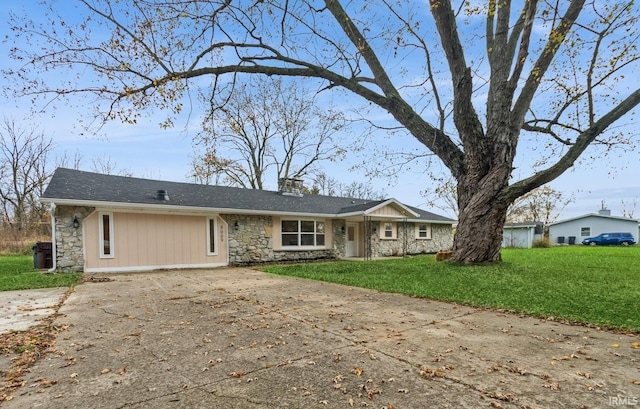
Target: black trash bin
572, 239
44, 254
560, 239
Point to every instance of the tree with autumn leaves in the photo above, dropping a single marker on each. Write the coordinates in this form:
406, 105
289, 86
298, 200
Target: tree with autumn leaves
473, 82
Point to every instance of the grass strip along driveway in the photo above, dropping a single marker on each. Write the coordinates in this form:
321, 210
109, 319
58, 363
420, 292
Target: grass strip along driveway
18, 273
589, 285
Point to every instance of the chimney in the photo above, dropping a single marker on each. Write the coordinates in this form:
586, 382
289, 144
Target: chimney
290, 186
162, 194
604, 212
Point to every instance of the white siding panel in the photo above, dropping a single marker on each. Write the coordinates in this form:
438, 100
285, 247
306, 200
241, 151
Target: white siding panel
596, 224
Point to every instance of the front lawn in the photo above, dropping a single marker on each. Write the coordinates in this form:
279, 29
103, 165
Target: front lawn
17, 273
595, 285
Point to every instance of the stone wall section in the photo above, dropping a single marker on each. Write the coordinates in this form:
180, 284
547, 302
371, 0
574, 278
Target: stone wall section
252, 242
339, 237
68, 239
441, 239
250, 238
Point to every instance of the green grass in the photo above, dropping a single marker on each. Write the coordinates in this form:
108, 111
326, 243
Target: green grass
17, 273
590, 285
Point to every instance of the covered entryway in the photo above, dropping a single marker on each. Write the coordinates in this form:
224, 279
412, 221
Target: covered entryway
351, 247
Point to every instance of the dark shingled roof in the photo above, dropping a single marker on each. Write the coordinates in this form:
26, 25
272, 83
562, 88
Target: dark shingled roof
70, 185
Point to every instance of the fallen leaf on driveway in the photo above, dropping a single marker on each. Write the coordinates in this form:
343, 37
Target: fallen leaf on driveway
46, 382
357, 371
552, 385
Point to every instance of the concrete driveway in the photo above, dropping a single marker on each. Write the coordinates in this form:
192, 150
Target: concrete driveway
22, 309
238, 338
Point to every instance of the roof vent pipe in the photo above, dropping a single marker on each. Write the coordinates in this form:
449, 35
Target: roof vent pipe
162, 195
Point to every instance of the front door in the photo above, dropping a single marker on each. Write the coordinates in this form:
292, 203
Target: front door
351, 247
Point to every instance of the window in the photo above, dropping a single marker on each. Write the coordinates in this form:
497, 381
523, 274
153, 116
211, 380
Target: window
212, 228
351, 233
105, 232
585, 231
303, 233
423, 231
388, 230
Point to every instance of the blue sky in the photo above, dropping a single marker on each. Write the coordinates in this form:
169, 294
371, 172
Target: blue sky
146, 150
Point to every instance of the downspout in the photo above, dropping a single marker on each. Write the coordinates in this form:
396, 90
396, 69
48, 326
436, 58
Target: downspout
54, 257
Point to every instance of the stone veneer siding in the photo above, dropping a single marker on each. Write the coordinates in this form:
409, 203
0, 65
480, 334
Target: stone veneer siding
441, 239
253, 242
339, 237
68, 240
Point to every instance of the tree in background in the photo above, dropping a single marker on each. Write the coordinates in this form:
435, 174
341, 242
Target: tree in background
265, 124
24, 174
444, 197
208, 169
629, 208
66, 161
543, 204
330, 186
472, 83
106, 165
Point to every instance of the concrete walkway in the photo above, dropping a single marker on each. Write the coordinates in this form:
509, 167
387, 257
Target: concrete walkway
238, 338
22, 309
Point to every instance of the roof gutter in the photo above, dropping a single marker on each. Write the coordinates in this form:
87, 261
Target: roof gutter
175, 208
431, 221
208, 210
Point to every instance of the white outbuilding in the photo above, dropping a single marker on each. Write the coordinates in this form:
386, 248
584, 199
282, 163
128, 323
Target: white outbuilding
574, 230
521, 235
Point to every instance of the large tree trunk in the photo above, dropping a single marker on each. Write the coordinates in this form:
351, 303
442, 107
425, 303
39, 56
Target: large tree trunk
483, 211
479, 234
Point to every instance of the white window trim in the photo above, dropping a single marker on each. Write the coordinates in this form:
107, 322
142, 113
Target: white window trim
429, 231
394, 231
300, 246
582, 229
216, 242
101, 235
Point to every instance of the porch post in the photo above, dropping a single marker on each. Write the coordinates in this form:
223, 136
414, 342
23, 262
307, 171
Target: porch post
367, 238
405, 241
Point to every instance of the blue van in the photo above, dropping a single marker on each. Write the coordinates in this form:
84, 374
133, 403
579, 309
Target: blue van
610, 239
